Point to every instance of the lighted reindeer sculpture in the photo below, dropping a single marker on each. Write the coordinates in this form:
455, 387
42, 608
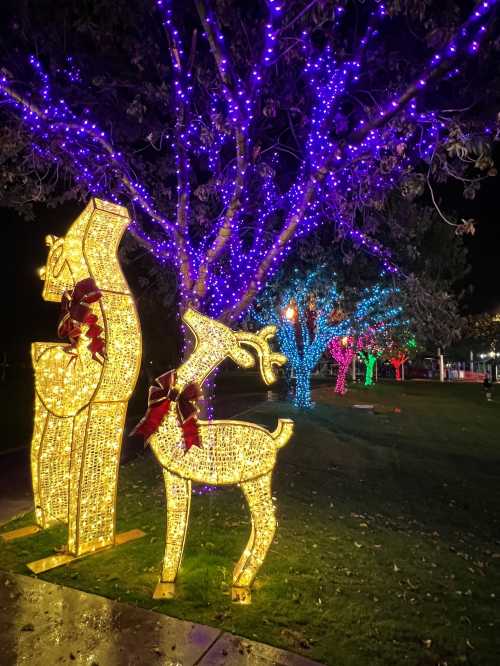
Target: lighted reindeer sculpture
224, 452
81, 389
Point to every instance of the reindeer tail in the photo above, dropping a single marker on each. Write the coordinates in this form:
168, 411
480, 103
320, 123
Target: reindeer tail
283, 432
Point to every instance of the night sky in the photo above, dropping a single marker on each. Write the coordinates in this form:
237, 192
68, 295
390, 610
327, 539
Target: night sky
484, 247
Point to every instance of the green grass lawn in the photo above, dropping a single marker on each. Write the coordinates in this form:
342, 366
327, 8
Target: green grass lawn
388, 545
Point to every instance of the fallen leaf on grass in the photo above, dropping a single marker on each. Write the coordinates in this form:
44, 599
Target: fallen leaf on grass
296, 638
411, 585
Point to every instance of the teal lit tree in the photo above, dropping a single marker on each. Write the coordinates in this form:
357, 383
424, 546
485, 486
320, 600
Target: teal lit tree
308, 314
375, 340
369, 356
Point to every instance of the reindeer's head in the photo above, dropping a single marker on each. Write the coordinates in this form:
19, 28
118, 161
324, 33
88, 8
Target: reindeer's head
222, 342
92, 237
57, 274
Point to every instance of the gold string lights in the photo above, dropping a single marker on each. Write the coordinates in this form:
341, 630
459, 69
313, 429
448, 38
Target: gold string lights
231, 452
80, 402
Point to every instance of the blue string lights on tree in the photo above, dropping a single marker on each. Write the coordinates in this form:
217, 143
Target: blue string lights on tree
345, 163
308, 315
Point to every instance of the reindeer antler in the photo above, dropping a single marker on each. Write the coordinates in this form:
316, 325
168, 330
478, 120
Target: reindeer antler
267, 359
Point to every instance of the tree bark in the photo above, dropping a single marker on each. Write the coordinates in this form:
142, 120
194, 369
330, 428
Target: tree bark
370, 365
302, 397
341, 376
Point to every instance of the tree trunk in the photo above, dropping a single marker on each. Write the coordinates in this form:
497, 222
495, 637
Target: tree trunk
302, 397
289, 380
341, 375
207, 404
370, 365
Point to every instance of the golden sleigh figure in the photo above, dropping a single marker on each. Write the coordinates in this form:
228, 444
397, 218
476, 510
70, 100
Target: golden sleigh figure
229, 452
81, 402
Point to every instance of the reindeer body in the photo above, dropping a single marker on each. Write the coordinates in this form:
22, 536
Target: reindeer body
231, 452
80, 403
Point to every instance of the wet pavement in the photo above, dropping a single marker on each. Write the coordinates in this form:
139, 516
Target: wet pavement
43, 624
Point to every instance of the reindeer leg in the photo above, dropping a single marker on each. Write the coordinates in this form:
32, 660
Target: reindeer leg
178, 491
258, 495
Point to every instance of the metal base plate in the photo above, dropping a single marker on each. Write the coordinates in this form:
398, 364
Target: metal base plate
241, 595
53, 561
164, 590
29, 530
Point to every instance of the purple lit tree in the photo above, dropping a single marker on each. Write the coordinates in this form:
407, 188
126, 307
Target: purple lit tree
231, 132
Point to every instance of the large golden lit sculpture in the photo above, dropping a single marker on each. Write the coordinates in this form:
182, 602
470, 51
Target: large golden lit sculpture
81, 391
226, 452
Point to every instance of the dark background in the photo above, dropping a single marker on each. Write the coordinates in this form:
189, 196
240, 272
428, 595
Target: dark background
484, 248
26, 317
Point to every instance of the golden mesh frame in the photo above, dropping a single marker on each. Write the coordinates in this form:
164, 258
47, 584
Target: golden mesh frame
81, 404
231, 452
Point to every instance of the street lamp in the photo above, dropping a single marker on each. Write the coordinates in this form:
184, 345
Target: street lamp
493, 355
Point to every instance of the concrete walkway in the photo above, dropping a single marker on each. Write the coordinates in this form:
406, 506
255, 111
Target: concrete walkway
42, 624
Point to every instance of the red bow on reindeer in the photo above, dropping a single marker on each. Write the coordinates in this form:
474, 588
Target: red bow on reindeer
75, 311
159, 399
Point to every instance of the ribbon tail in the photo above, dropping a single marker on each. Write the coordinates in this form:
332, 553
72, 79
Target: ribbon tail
191, 433
150, 423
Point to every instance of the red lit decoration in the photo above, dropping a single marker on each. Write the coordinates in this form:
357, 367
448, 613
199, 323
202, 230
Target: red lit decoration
397, 360
160, 397
75, 311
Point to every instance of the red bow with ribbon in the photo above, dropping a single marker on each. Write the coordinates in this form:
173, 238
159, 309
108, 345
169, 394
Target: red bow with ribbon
161, 395
75, 311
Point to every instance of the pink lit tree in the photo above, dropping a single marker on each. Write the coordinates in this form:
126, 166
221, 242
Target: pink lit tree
231, 131
343, 349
